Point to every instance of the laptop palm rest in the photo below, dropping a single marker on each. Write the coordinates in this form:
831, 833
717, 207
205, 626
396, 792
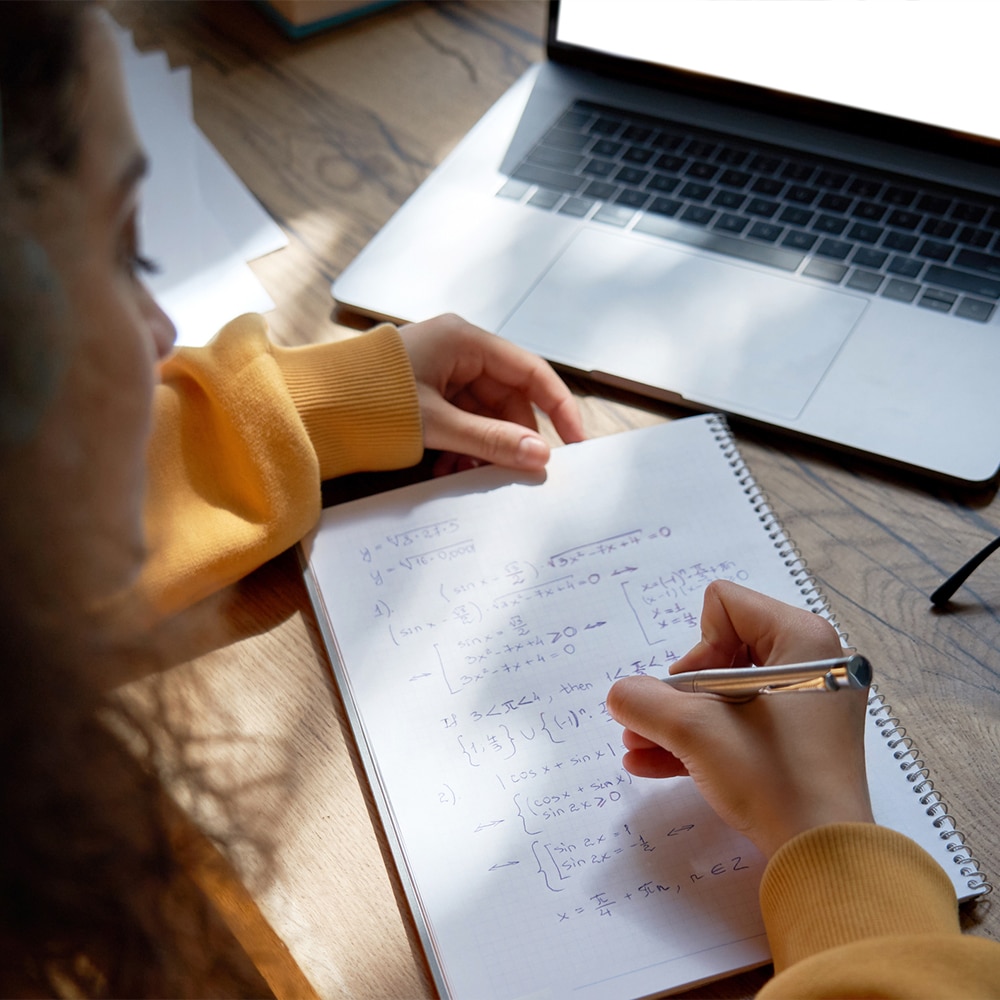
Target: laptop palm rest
717, 333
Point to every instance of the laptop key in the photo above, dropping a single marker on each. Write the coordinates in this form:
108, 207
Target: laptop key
662, 182
548, 177
933, 250
801, 195
515, 190
702, 170
606, 126
696, 192
868, 210
545, 198
578, 207
698, 214
631, 175
966, 212
796, 216
606, 147
730, 223
835, 202
801, 241
731, 157
864, 281
962, 281
634, 199
562, 139
665, 206
972, 260
939, 228
832, 180
975, 309
767, 185
777, 257
865, 233
903, 242
901, 291
762, 207
614, 215
825, 270
728, 199
832, 224
937, 300
934, 204
899, 196
866, 257
835, 249
767, 231
865, 187
669, 162
599, 168
905, 266
973, 237
638, 154
601, 190
561, 159
735, 178
899, 219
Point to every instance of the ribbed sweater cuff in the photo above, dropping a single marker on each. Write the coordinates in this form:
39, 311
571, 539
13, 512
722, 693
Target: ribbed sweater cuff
848, 882
358, 400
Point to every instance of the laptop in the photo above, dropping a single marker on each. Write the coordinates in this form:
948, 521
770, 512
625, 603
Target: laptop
787, 212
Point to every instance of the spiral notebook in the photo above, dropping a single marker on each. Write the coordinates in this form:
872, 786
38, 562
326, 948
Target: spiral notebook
475, 623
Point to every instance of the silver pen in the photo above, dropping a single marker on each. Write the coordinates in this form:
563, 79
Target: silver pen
744, 683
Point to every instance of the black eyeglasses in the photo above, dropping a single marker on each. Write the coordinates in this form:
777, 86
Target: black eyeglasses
943, 594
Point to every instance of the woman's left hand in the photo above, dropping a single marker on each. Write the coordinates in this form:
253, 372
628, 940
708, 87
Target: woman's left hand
477, 392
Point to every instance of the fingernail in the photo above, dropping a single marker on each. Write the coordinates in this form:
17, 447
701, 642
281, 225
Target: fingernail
532, 452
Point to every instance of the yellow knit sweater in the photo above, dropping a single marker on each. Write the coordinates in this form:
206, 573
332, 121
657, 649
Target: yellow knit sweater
245, 431
857, 910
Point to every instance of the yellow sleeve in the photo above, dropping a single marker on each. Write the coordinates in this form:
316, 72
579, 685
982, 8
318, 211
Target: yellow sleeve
858, 910
243, 434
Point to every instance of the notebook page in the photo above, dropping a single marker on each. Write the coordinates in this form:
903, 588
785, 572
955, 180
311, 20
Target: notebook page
478, 624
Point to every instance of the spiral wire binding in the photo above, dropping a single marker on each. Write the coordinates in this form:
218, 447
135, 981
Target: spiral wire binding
815, 599
889, 727
910, 762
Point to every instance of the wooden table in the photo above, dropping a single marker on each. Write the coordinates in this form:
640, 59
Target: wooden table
332, 134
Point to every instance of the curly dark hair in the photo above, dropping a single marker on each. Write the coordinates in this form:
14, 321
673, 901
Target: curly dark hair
40, 62
95, 898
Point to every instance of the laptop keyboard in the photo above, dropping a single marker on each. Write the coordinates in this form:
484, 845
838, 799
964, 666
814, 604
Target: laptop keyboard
937, 248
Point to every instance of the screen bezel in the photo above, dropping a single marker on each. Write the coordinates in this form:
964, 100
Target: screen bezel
900, 131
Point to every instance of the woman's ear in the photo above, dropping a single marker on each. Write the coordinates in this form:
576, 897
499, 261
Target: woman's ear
32, 308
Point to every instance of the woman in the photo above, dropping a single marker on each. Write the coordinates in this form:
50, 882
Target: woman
136, 481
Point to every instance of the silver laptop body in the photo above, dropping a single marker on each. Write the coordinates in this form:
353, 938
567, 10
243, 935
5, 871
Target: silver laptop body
828, 270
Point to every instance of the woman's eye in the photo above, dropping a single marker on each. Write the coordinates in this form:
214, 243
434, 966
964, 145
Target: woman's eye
143, 265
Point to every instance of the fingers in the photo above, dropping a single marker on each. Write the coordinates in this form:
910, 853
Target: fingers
771, 767
504, 367
740, 626
452, 430
477, 394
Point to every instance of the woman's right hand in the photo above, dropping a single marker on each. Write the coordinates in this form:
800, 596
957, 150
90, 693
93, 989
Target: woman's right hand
772, 767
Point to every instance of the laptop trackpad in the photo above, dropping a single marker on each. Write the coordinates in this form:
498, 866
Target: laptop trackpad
719, 333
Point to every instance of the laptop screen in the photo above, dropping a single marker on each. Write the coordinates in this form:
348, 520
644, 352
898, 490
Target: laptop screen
920, 62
